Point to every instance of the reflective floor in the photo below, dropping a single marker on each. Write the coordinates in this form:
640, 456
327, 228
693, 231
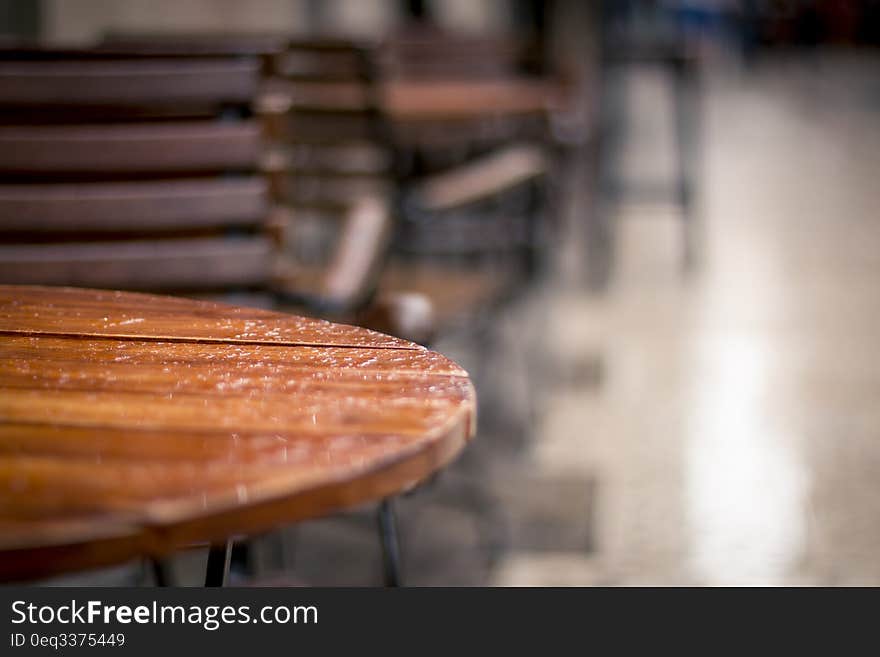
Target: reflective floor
734, 436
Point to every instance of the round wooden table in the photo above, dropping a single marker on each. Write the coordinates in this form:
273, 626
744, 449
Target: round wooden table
133, 424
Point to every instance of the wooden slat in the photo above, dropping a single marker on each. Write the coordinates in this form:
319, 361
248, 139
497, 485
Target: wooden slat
130, 148
360, 253
354, 159
170, 264
417, 100
316, 127
129, 82
432, 132
420, 54
337, 412
253, 365
46, 311
482, 178
321, 95
133, 206
114, 446
316, 64
332, 191
166, 44
455, 292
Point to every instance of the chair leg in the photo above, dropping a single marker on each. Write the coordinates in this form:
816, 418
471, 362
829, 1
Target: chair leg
390, 544
687, 128
241, 560
217, 570
606, 187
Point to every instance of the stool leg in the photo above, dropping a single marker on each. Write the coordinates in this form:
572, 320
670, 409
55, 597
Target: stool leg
390, 545
218, 564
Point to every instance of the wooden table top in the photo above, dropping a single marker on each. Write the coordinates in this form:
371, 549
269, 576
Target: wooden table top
133, 424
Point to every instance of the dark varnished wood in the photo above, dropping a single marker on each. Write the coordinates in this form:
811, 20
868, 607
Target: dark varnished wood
133, 172
133, 206
182, 43
79, 81
166, 264
134, 424
80, 112
212, 146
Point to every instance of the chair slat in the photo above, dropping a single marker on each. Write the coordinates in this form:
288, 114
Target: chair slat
133, 206
305, 64
129, 82
178, 264
131, 148
182, 43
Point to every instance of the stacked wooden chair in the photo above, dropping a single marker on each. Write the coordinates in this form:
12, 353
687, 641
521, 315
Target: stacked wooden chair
324, 119
461, 189
133, 173
327, 162
145, 169
472, 182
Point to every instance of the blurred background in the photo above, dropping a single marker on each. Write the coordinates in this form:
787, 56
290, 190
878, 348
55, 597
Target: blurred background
649, 230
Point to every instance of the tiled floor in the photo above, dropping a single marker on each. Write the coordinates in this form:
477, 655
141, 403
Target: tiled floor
717, 429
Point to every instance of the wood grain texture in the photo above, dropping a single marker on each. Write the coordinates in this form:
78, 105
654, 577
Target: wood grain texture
131, 148
411, 100
208, 263
134, 424
133, 206
71, 311
128, 82
414, 100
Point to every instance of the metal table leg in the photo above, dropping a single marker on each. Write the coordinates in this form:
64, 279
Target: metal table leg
218, 564
390, 544
161, 574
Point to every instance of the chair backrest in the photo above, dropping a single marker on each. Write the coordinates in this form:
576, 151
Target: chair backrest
332, 129
319, 104
452, 97
472, 119
325, 121
434, 54
131, 171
